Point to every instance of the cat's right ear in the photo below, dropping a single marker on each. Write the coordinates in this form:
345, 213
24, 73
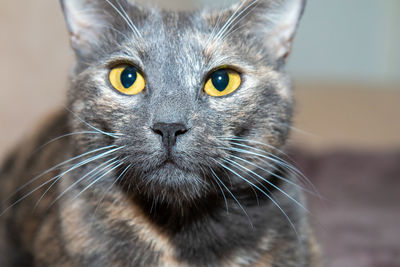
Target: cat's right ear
274, 22
85, 22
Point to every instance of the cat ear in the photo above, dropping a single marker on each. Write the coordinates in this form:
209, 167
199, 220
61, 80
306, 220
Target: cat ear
85, 23
275, 21
281, 21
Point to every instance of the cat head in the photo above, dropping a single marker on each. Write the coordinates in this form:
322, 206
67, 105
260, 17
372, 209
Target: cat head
179, 95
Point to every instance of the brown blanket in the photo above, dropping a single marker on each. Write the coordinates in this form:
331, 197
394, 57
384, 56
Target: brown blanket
359, 223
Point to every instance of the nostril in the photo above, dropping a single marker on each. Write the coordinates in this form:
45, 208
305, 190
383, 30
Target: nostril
157, 131
181, 131
169, 132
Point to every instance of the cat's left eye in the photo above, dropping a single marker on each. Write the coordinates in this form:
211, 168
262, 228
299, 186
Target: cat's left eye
222, 82
127, 80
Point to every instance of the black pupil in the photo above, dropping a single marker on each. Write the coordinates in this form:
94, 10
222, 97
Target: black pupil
128, 77
220, 79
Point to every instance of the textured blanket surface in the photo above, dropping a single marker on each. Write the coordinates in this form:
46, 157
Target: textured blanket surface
359, 222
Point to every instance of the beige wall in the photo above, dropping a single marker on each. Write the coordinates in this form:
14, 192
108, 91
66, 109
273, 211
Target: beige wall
34, 63
346, 115
35, 59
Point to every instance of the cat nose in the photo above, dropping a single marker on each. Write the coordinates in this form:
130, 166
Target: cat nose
169, 133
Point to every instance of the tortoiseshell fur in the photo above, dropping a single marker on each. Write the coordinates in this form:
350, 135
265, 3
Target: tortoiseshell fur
145, 208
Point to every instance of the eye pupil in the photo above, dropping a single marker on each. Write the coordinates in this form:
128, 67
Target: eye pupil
220, 79
128, 77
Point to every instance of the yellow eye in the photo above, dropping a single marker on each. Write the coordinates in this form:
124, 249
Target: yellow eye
127, 80
222, 82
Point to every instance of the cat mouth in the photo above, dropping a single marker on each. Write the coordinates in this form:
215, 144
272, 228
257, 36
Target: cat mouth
169, 164
168, 161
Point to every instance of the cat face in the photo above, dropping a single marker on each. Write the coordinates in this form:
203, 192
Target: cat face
175, 89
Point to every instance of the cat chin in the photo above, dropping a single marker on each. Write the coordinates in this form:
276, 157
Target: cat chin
168, 183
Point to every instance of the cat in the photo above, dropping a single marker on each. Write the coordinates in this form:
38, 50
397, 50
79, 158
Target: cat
169, 150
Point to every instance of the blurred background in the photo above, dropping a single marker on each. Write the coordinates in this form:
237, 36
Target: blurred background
346, 69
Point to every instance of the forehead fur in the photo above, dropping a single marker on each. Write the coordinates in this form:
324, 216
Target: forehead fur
268, 24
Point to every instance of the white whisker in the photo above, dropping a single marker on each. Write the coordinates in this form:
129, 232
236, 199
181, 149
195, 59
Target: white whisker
78, 165
126, 18
232, 195
52, 180
54, 168
268, 182
223, 194
234, 19
129, 19
82, 178
119, 163
274, 158
63, 136
113, 135
258, 188
229, 31
274, 174
121, 176
238, 139
214, 30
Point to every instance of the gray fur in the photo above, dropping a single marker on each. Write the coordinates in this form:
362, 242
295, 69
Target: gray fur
196, 206
176, 59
